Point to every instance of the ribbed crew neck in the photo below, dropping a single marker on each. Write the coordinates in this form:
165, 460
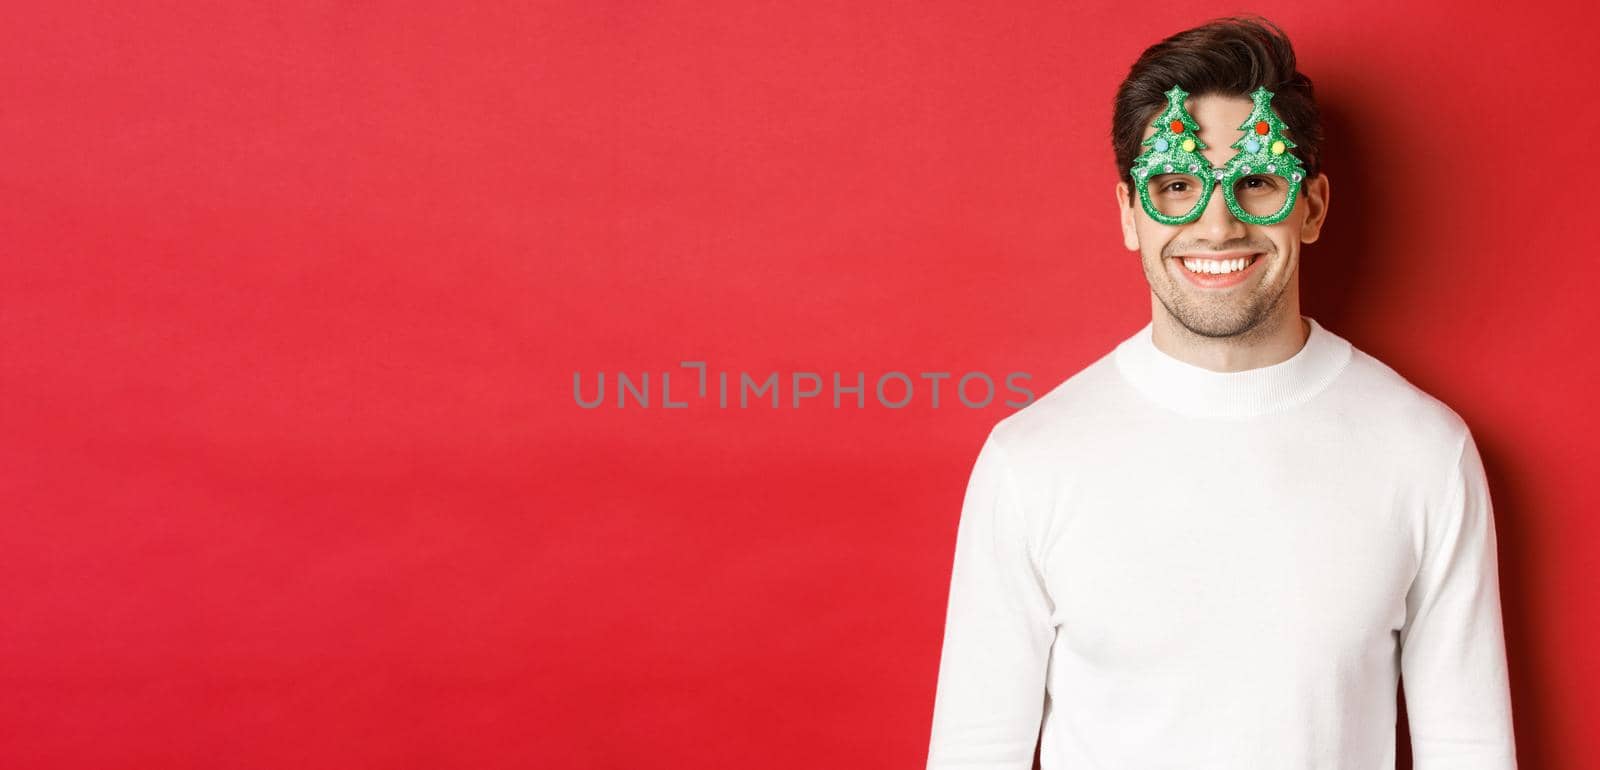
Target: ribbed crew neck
1201, 392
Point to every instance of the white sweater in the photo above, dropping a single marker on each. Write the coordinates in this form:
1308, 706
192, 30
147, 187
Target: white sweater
1159, 566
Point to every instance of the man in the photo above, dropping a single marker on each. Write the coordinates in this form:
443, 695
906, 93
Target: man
1222, 545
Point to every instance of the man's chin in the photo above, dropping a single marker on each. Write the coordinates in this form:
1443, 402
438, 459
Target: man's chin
1213, 316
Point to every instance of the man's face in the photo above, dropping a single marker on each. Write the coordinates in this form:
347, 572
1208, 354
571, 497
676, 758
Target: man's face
1231, 304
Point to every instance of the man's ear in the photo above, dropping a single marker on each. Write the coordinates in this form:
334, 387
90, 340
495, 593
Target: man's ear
1130, 234
1316, 190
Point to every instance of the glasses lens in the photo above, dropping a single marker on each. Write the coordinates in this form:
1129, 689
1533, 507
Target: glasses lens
1176, 195
1261, 195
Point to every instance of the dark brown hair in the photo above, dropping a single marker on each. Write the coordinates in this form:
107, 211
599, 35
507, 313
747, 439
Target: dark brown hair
1230, 56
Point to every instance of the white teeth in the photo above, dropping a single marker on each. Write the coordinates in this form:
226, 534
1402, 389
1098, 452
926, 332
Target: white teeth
1217, 266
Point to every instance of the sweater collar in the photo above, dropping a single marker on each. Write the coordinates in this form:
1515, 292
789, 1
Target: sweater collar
1200, 392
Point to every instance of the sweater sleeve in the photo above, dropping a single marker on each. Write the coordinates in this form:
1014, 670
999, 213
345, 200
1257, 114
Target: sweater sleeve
1452, 659
998, 632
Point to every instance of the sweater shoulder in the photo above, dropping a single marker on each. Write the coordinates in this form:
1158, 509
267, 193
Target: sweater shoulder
1382, 400
1075, 407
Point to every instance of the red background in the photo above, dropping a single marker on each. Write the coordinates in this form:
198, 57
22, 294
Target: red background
293, 295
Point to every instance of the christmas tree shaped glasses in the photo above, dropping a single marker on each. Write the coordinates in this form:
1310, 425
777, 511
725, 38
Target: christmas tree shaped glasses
1260, 183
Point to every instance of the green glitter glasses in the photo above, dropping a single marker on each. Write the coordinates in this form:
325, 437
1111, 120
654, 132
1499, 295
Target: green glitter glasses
1260, 183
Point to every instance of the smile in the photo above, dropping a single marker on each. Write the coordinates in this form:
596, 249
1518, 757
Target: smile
1212, 273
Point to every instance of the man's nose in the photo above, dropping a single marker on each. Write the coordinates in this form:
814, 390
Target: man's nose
1217, 223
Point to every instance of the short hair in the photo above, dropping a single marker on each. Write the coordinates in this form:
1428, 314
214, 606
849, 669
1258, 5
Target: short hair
1229, 56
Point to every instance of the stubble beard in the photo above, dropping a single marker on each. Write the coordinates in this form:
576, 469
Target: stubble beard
1221, 316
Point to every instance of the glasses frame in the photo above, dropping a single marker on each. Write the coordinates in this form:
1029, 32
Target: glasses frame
1243, 164
1210, 177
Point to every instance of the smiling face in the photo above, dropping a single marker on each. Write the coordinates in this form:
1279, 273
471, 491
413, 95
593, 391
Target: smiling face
1218, 276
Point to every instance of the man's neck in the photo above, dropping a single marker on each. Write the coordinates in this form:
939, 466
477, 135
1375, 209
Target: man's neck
1263, 346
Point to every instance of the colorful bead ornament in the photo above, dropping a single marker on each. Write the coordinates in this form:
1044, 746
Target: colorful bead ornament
1269, 153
